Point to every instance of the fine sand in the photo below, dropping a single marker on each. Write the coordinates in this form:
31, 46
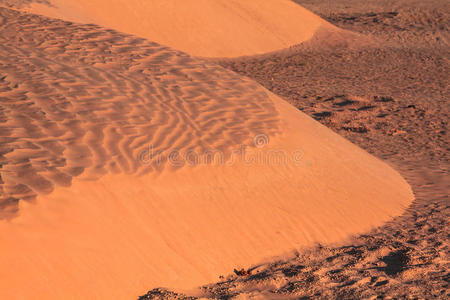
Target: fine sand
219, 28
108, 187
386, 89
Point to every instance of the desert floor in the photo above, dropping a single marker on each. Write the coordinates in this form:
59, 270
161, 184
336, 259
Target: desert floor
390, 97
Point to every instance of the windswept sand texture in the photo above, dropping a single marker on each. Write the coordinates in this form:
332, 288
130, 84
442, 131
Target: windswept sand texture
91, 107
92, 216
219, 28
391, 97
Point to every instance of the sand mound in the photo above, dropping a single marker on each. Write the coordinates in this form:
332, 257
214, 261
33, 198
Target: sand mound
219, 28
107, 176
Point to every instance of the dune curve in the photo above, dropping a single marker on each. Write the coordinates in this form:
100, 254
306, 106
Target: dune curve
94, 213
185, 228
219, 28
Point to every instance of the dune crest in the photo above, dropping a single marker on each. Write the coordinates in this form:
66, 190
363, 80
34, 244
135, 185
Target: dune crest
80, 107
219, 28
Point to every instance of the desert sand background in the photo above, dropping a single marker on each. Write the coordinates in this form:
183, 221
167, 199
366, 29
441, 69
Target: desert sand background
386, 91
86, 212
220, 28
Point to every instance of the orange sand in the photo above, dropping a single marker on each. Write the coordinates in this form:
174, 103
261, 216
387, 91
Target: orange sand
219, 28
120, 235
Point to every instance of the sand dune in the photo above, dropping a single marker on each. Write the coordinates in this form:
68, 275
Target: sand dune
92, 214
389, 97
220, 28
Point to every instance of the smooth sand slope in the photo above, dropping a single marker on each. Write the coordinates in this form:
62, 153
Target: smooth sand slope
89, 214
390, 98
219, 28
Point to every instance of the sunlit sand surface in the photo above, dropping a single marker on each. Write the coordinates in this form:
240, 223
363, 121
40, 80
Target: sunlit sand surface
222, 28
88, 213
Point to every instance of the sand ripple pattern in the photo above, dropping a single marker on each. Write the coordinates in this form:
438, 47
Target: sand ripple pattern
79, 100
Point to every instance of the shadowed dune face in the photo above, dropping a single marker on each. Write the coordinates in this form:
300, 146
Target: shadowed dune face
81, 104
220, 28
